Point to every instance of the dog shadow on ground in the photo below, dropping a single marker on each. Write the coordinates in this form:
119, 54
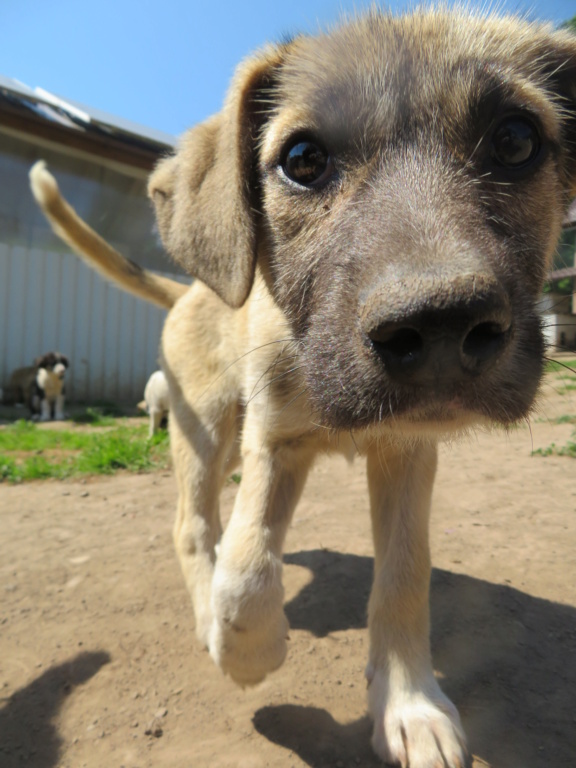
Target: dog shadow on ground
27, 733
507, 659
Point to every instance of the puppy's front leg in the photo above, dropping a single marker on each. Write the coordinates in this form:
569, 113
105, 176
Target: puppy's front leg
59, 408
415, 724
249, 629
45, 410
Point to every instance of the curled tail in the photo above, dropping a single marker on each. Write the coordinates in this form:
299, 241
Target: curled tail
94, 250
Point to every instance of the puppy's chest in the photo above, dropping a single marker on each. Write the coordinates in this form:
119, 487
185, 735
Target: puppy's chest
50, 383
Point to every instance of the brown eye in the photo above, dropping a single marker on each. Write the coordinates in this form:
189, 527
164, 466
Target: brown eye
307, 163
515, 143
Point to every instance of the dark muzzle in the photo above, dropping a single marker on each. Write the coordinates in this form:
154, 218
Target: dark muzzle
431, 332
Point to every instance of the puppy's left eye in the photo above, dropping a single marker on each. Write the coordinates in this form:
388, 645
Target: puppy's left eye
307, 163
515, 143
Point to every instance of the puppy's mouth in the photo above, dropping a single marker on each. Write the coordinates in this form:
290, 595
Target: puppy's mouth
404, 410
448, 410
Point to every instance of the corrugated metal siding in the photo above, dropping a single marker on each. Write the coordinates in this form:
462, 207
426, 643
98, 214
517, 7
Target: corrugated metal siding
52, 301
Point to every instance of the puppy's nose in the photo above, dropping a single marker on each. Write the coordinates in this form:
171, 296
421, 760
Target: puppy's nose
449, 333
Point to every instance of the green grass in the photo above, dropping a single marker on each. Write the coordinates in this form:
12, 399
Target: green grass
558, 450
566, 419
555, 365
96, 417
30, 453
569, 449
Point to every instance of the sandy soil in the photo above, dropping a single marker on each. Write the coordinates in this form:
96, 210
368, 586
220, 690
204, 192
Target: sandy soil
99, 665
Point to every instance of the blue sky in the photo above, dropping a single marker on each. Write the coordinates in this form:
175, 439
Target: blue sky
165, 63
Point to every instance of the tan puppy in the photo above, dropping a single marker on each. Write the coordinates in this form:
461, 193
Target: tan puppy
370, 219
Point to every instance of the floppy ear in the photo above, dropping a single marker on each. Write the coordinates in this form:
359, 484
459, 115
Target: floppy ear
206, 196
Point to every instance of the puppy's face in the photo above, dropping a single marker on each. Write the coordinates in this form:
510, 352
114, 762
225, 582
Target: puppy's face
411, 176
54, 364
414, 184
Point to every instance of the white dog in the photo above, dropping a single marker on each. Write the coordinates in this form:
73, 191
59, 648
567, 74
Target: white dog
156, 401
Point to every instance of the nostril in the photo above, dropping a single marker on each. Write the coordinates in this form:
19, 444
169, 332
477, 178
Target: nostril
403, 345
484, 342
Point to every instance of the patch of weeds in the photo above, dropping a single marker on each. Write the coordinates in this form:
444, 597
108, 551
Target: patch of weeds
555, 365
569, 449
96, 417
39, 454
566, 388
108, 408
120, 448
32, 468
566, 419
26, 436
236, 478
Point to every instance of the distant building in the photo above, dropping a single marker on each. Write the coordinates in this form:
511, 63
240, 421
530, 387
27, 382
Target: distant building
559, 306
48, 299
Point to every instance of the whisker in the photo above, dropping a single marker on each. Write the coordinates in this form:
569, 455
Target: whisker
289, 403
234, 362
279, 359
355, 443
560, 363
276, 378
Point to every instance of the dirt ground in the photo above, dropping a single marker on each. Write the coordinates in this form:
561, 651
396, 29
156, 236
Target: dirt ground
99, 665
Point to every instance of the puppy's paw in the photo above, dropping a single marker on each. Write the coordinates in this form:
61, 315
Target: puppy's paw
417, 728
246, 653
249, 630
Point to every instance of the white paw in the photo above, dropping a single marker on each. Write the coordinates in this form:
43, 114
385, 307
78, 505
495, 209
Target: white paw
415, 728
246, 654
249, 630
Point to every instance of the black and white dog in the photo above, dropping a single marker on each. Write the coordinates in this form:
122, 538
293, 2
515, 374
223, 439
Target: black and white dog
47, 390
41, 386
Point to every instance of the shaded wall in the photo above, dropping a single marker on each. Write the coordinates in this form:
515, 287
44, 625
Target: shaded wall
49, 300
52, 301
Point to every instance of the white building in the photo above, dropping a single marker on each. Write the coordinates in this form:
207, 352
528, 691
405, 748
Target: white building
49, 300
559, 309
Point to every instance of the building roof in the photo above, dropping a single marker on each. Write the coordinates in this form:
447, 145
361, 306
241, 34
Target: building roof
40, 112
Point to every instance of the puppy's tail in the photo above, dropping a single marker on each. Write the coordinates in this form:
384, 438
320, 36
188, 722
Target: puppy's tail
94, 250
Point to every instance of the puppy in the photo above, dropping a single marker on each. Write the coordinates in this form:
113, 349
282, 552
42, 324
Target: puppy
41, 386
156, 402
370, 220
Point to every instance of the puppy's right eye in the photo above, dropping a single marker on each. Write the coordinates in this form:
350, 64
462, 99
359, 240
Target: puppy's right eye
307, 163
515, 143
